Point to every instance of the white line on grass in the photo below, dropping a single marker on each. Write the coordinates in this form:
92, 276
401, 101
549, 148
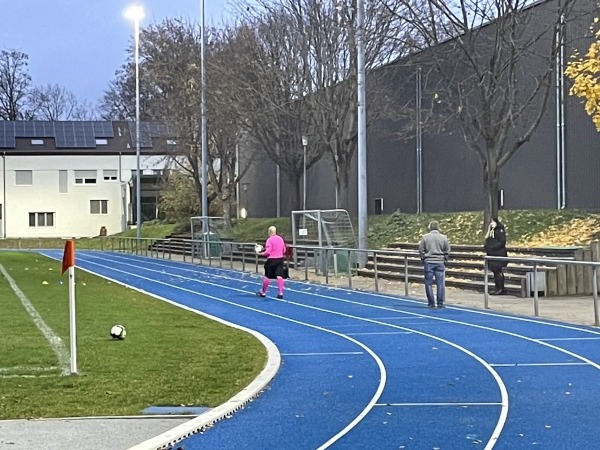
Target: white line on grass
28, 376
55, 341
27, 369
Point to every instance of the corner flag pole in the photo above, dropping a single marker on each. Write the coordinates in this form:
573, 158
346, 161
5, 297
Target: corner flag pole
69, 264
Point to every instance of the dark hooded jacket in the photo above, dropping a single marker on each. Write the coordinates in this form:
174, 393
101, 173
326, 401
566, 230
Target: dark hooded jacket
495, 245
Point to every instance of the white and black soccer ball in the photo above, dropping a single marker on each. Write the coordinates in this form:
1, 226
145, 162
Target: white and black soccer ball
118, 332
258, 248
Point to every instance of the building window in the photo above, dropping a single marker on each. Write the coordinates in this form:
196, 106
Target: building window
23, 177
101, 141
99, 206
63, 182
85, 176
41, 219
110, 175
37, 142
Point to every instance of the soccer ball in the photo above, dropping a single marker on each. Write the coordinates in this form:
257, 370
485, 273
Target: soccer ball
118, 332
258, 248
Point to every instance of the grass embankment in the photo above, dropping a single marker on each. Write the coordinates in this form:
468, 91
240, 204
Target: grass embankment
170, 356
534, 228
539, 228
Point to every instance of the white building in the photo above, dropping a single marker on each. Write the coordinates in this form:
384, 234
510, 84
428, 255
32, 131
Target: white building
74, 179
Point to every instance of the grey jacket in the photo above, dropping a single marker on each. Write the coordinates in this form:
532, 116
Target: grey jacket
434, 247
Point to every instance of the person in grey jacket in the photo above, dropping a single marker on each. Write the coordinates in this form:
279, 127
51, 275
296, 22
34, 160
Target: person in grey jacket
434, 250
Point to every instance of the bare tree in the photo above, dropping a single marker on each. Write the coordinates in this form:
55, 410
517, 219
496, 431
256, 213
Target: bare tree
269, 71
170, 93
14, 84
118, 101
489, 66
305, 78
226, 118
54, 102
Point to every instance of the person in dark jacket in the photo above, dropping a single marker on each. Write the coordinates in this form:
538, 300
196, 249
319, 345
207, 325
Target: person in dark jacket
434, 250
495, 245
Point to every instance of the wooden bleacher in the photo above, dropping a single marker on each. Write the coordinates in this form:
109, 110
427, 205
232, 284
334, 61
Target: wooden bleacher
465, 269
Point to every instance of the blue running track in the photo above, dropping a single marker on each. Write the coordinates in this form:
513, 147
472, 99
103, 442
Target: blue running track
364, 370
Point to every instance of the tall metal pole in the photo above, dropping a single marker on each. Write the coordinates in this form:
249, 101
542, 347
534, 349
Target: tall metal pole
138, 187
304, 144
363, 219
560, 117
419, 146
203, 114
278, 182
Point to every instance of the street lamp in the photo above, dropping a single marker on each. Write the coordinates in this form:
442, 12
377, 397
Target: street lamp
136, 13
304, 144
244, 210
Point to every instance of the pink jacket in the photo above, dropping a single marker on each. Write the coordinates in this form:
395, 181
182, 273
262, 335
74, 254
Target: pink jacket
274, 247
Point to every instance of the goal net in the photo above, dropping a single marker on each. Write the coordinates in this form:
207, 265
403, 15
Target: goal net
208, 236
325, 229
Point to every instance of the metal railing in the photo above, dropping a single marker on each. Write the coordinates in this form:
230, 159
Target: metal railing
315, 261
536, 263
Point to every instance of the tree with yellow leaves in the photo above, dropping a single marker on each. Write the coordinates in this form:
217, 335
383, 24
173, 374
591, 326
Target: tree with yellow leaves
585, 73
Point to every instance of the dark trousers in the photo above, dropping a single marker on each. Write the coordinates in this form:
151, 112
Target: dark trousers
498, 279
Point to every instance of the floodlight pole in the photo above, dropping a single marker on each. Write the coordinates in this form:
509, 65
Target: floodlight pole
138, 182
363, 219
136, 13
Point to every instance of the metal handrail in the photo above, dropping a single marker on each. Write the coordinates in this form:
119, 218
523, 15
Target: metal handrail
307, 250
546, 261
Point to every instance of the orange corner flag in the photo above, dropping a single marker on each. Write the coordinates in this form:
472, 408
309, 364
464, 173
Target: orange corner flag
68, 256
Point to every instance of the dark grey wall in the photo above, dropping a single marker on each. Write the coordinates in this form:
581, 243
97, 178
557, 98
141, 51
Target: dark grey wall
452, 174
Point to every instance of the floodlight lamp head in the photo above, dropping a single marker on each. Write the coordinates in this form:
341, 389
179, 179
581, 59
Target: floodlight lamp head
135, 13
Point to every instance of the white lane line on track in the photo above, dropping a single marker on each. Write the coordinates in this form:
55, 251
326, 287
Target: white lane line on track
379, 333
539, 364
460, 404
53, 339
503, 392
382, 371
323, 354
572, 339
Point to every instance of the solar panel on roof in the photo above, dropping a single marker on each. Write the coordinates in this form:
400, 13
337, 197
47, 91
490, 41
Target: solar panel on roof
7, 135
103, 129
74, 134
19, 128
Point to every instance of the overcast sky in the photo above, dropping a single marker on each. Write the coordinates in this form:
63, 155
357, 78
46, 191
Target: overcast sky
79, 44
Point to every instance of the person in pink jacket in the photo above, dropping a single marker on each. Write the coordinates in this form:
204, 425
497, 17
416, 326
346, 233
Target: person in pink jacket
274, 266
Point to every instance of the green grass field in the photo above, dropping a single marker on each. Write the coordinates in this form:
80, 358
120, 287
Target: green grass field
170, 356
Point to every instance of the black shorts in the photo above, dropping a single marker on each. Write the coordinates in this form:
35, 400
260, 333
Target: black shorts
274, 268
